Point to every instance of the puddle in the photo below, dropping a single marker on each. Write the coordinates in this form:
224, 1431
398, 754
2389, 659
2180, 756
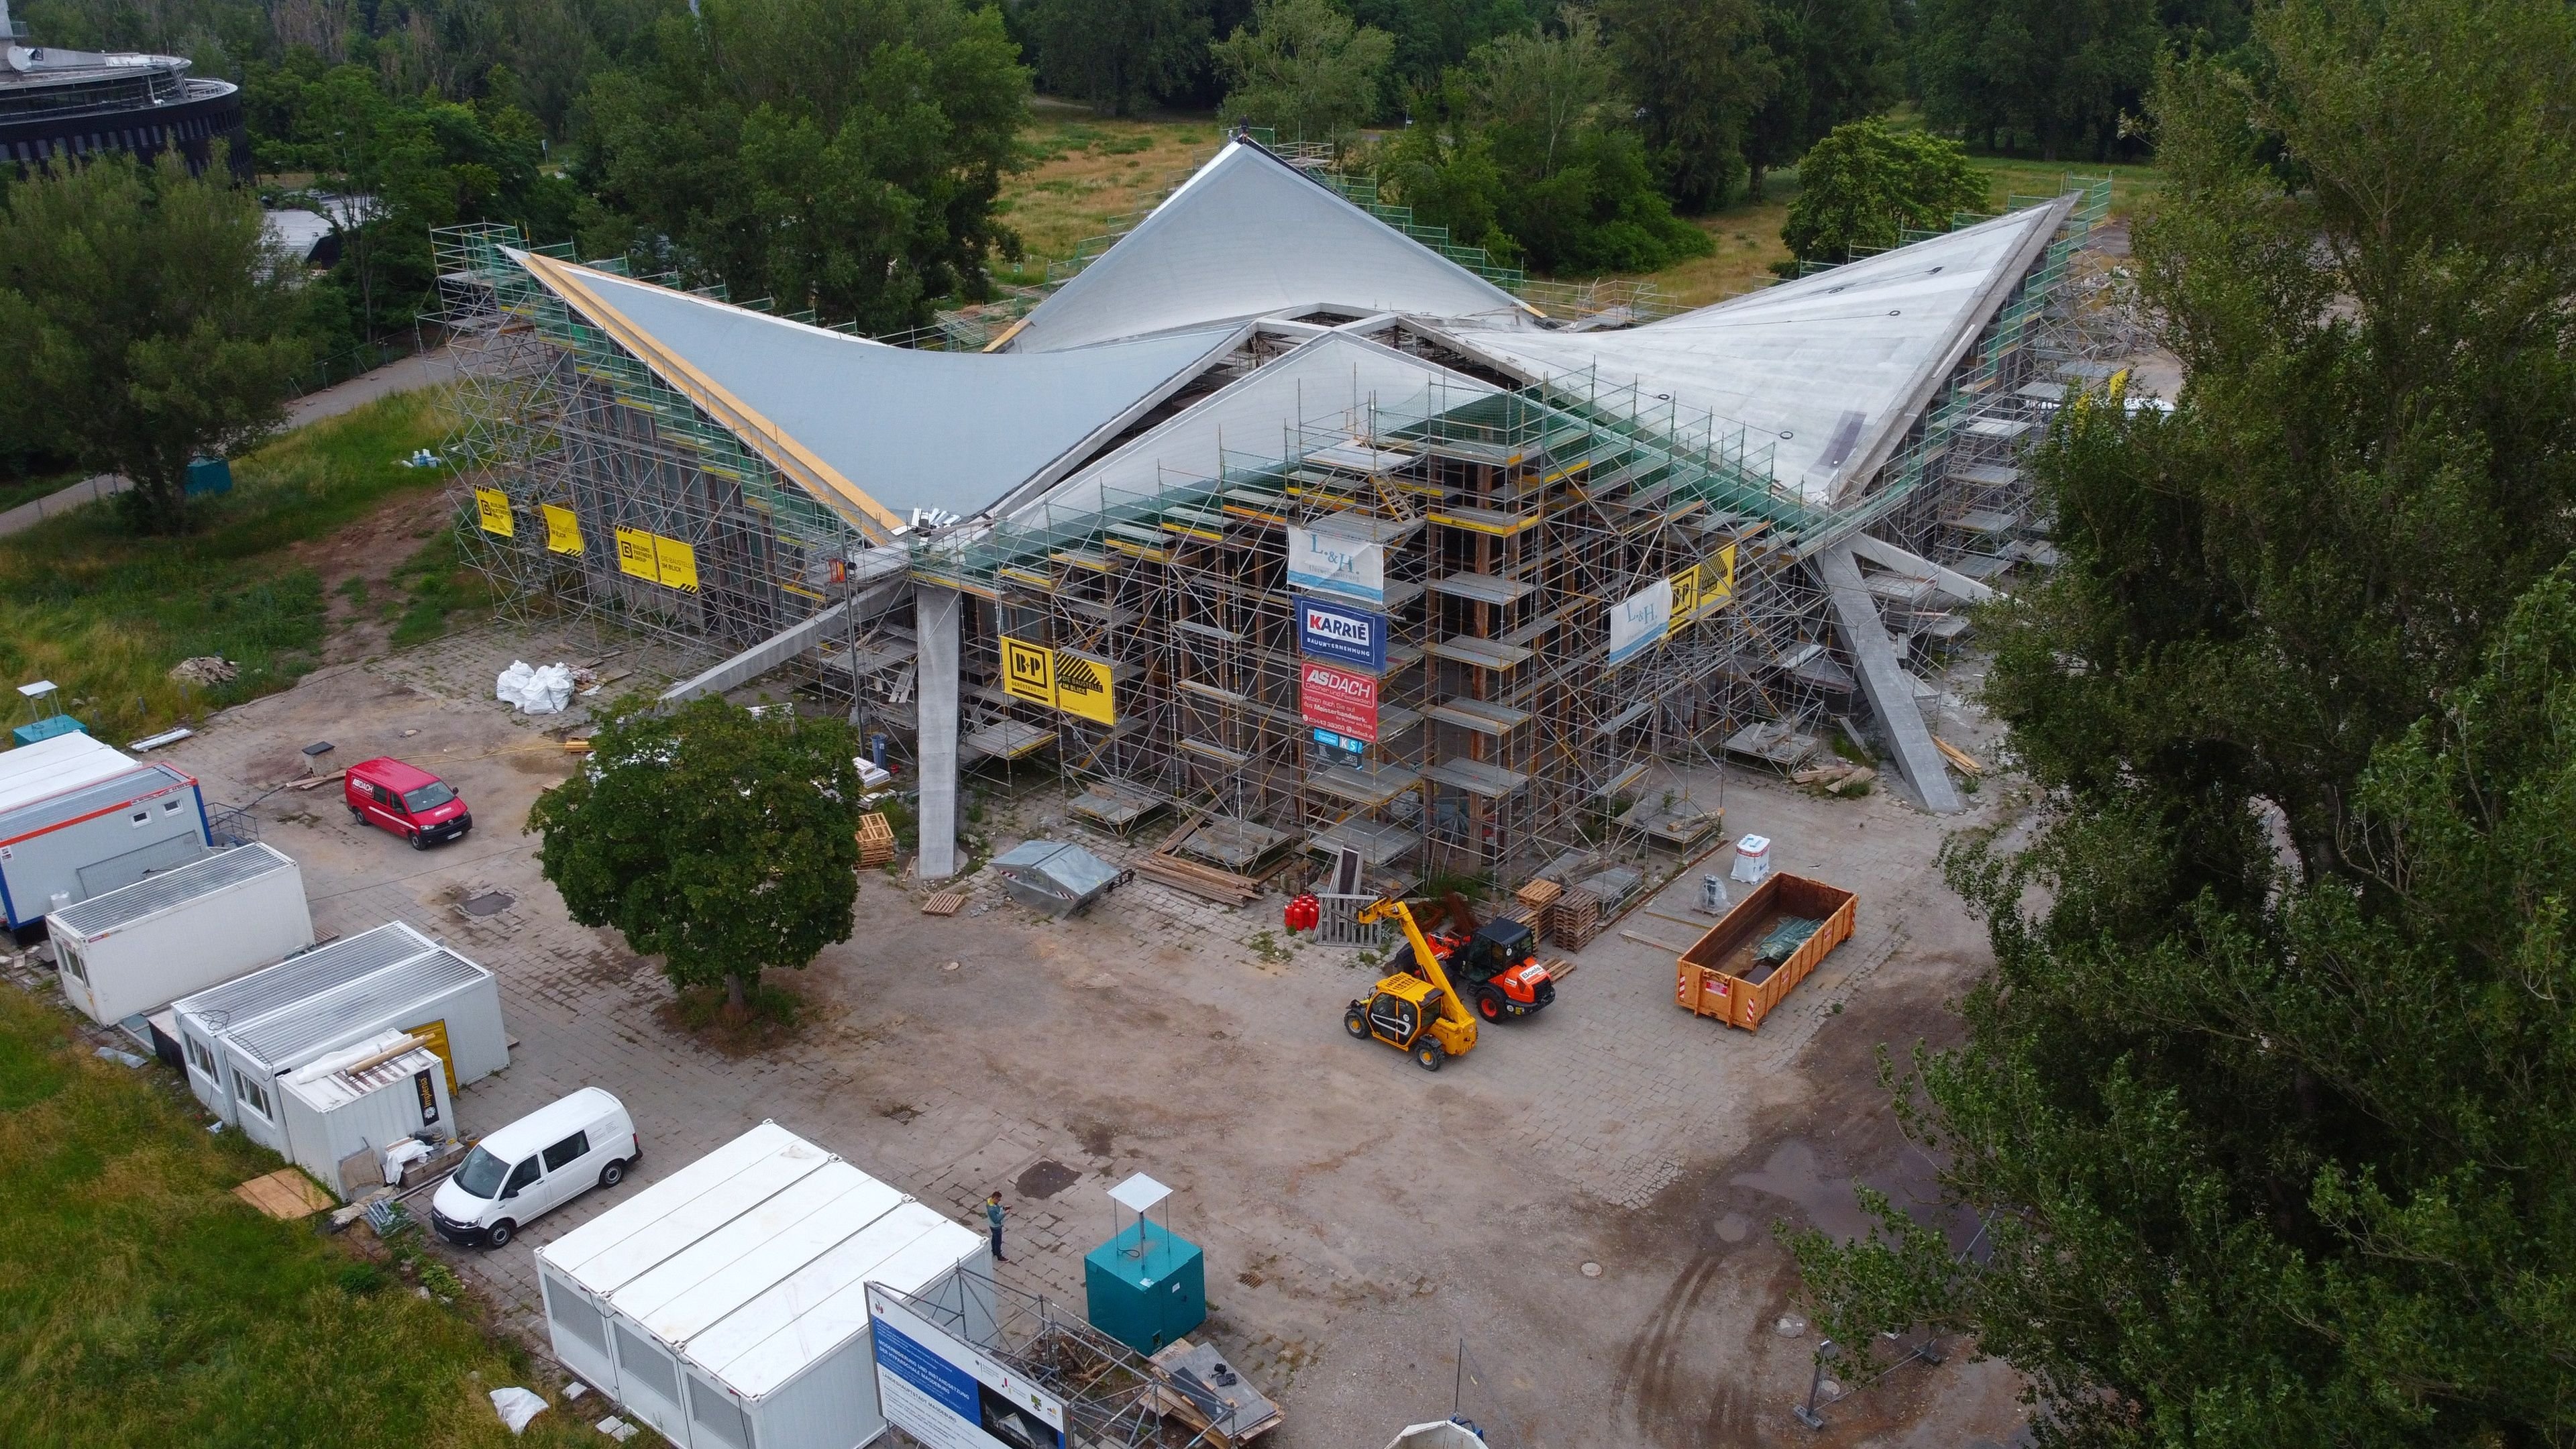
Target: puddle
490, 903
1045, 1179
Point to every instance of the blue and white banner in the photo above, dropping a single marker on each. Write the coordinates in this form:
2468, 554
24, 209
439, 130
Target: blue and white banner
1341, 634
947, 1395
1350, 567
1639, 621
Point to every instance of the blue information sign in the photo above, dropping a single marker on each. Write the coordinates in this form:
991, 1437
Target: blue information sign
1341, 634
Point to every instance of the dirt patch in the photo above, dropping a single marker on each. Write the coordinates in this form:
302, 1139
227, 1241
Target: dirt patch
357, 566
775, 1017
1097, 1138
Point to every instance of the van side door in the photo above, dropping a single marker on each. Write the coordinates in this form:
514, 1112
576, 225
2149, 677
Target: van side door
568, 1168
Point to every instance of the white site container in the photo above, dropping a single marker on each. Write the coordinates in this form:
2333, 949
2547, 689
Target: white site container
148, 944
241, 1036
79, 819
726, 1305
362, 1100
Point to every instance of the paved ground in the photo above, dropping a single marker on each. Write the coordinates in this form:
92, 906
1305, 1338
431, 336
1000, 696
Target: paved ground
421, 369
1362, 1218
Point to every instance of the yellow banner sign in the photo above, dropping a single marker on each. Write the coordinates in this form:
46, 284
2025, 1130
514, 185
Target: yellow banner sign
676, 562
635, 554
1702, 590
492, 510
1083, 688
563, 531
1078, 684
1028, 671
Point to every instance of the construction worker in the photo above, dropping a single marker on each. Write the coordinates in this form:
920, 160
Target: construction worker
993, 1215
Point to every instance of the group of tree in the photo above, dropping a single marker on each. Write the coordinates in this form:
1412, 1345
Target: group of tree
2268, 1105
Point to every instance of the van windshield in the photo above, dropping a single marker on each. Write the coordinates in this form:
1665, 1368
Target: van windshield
482, 1174
428, 797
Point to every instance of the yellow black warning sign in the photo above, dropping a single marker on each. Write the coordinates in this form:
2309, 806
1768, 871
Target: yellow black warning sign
1078, 684
1702, 589
1083, 688
635, 554
1028, 671
563, 530
492, 510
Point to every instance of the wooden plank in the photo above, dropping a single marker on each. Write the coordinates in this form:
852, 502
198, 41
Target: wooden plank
1959, 757
1627, 935
285, 1194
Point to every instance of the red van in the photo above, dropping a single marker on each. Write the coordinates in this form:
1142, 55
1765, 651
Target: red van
412, 803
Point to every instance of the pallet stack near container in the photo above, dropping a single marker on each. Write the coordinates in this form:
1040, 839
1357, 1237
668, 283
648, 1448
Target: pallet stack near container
876, 841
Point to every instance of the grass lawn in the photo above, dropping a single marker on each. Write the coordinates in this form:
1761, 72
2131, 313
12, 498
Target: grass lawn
104, 613
142, 1303
1088, 171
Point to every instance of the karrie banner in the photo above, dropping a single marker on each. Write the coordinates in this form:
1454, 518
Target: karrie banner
1341, 634
1353, 568
1340, 700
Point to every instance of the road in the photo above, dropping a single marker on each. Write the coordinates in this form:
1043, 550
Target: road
421, 369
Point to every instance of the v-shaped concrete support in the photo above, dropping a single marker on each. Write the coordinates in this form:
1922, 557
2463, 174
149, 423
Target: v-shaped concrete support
1883, 679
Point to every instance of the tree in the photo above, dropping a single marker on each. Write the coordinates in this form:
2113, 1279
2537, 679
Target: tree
2058, 73
147, 320
840, 155
1120, 55
1433, 35
2267, 1102
1863, 182
715, 838
1832, 61
1303, 68
1698, 70
1539, 91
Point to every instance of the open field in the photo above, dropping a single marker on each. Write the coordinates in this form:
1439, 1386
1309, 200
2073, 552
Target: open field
105, 613
142, 1303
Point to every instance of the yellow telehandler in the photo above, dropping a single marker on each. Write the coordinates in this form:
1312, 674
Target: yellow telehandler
1419, 1014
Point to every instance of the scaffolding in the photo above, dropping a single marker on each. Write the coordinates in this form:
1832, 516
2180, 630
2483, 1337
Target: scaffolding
1512, 526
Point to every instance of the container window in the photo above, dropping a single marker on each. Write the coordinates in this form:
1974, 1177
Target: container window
72, 963
648, 1364
142, 817
253, 1094
170, 807
203, 1060
578, 1318
571, 1149
718, 1415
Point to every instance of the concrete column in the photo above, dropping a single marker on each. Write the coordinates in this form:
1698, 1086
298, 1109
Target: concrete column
938, 617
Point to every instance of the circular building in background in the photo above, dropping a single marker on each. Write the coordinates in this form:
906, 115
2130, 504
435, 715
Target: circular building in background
67, 105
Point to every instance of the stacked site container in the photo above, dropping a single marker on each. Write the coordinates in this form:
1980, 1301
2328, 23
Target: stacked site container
79, 819
150, 943
240, 1036
726, 1304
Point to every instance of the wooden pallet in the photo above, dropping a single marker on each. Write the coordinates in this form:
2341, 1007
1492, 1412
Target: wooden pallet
1574, 918
285, 1193
1538, 895
946, 903
1208, 882
876, 841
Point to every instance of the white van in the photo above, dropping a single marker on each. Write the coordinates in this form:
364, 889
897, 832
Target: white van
533, 1166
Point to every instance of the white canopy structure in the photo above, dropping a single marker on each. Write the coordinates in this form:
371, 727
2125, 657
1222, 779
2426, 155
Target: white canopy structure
1251, 236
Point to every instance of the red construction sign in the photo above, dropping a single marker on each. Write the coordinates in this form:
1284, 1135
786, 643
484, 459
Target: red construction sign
1339, 700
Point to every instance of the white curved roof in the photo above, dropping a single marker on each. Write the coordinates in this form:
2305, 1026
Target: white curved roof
1334, 379
1247, 236
879, 430
1817, 368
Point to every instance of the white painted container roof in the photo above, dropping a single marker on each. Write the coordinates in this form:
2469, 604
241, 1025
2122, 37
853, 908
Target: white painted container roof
49, 767
751, 1262
154, 894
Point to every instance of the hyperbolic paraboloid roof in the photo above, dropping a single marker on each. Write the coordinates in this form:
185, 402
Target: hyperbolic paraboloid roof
1817, 368
891, 429
1828, 371
1248, 236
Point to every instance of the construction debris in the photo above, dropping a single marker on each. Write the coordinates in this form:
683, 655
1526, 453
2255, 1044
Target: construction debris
1966, 763
205, 669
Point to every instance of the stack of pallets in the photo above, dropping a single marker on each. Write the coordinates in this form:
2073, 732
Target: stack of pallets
876, 841
1574, 918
